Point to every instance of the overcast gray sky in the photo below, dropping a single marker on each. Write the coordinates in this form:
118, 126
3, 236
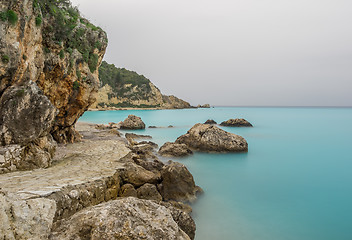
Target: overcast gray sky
234, 52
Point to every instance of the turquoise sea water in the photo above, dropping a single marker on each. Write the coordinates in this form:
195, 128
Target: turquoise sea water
295, 183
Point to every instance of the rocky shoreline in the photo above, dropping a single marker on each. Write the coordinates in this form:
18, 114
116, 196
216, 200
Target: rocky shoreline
87, 177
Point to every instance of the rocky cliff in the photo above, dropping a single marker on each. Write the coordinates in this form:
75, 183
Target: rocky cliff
124, 88
48, 77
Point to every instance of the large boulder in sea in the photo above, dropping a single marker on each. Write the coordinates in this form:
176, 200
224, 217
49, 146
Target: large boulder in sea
178, 183
126, 218
170, 149
238, 122
209, 138
132, 122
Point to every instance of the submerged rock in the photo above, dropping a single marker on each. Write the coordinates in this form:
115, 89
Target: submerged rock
238, 122
210, 121
178, 183
175, 150
205, 137
132, 122
127, 218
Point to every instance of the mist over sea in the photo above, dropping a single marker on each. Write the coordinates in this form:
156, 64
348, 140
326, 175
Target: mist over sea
295, 182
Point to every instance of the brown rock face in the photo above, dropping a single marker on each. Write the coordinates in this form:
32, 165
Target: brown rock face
127, 218
209, 138
47, 79
137, 175
238, 122
175, 150
178, 183
128, 190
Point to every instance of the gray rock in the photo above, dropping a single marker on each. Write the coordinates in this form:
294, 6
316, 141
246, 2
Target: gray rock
170, 149
26, 114
37, 154
209, 138
127, 218
238, 122
149, 192
25, 219
178, 183
132, 122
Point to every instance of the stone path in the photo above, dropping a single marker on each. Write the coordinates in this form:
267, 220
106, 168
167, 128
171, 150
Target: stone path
96, 157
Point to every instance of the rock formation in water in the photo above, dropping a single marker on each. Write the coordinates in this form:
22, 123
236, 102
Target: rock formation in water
132, 122
209, 138
49, 63
210, 121
238, 122
122, 88
170, 149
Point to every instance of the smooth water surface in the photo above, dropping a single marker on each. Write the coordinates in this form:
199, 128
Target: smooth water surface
295, 182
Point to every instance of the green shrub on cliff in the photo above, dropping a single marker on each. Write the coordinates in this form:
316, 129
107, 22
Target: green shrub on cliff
5, 58
10, 16
38, 21
65, 26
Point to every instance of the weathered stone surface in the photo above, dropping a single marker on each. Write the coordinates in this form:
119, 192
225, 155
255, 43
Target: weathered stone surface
137, 175
238, 122
178, 183
128, 190
25, 114
38, 154
182, 218
210, 121
132, 122
115, 132
136, 136
25, 219
154, 165
205, 137
149, 192
127, 218
170, 149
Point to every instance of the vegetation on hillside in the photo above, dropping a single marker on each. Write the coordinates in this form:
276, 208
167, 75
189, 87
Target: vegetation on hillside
117, 78
67, 29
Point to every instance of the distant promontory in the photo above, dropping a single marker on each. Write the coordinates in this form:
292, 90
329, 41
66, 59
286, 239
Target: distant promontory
122, 88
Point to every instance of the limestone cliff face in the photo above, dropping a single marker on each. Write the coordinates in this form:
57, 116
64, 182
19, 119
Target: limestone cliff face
123, 88
137, 97
48, 77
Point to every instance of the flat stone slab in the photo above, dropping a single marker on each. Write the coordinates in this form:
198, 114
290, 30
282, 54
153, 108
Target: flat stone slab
96, 157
